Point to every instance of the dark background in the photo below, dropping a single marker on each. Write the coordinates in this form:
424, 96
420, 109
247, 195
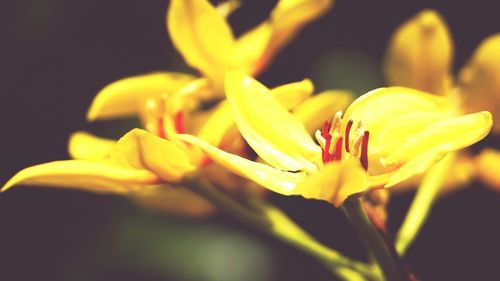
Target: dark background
56, 54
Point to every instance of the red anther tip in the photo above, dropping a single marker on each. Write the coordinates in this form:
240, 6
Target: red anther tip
326, 128
364, 150
347, 132
179, 122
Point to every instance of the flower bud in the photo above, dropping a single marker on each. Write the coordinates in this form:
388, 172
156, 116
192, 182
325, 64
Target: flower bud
420, 54
479, 80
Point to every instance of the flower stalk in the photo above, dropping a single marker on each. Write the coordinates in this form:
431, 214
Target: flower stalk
381, 251
423, 202
268, 219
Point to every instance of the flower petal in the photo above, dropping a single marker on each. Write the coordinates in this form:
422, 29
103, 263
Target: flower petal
487, 163
140, 149
85, 146
228, 7
479, 80
420, 54
87, 175
276, 180
126, 96
428, 146
221, 119
315, 110
287, 19
202, 36
335, 182
250, 48
272, 131
445, 135
292, 95
382, 105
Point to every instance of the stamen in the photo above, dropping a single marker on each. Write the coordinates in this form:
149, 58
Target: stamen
326, 127
338, 150
347, 132
358, 139
364, 150
335, 127
325, 154
321, 140
161, 128
334, 139
179, 122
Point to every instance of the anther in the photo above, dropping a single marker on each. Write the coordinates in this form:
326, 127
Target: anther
321, 140
179, 122
358, 139
335, 127
347, 132
364, 150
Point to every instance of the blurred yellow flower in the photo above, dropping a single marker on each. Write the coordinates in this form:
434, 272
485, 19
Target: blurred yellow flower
138, 158
420, 55
140, 161
385, 137
202, 35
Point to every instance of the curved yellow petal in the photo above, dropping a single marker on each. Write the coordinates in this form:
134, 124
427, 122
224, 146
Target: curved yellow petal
217, 124
202, 36
487, 164
221, 120
376, 107
250, 48
140, 149
406, 123
290, 15
335, 182
175, 200
286, 20
479, 80
445, 135
85, 146
126, 96
226, 8
315, 110
92, 176
293, 94
462, 173
420, 54
276, 180
272, 131
428, 146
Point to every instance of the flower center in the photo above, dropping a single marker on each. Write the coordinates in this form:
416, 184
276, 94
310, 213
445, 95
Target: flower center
334, 143
158, 120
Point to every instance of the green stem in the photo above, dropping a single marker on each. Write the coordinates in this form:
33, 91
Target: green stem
287, 230
272, 220
377, 245
422, 203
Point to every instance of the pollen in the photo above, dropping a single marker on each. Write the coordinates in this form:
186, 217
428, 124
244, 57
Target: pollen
336, 144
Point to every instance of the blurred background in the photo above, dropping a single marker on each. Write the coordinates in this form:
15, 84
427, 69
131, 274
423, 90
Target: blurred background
55, 55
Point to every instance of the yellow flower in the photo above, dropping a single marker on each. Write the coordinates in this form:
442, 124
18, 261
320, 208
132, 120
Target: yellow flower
385, 137
420, 55
140, 165
140, 161
138, 158
202, 35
